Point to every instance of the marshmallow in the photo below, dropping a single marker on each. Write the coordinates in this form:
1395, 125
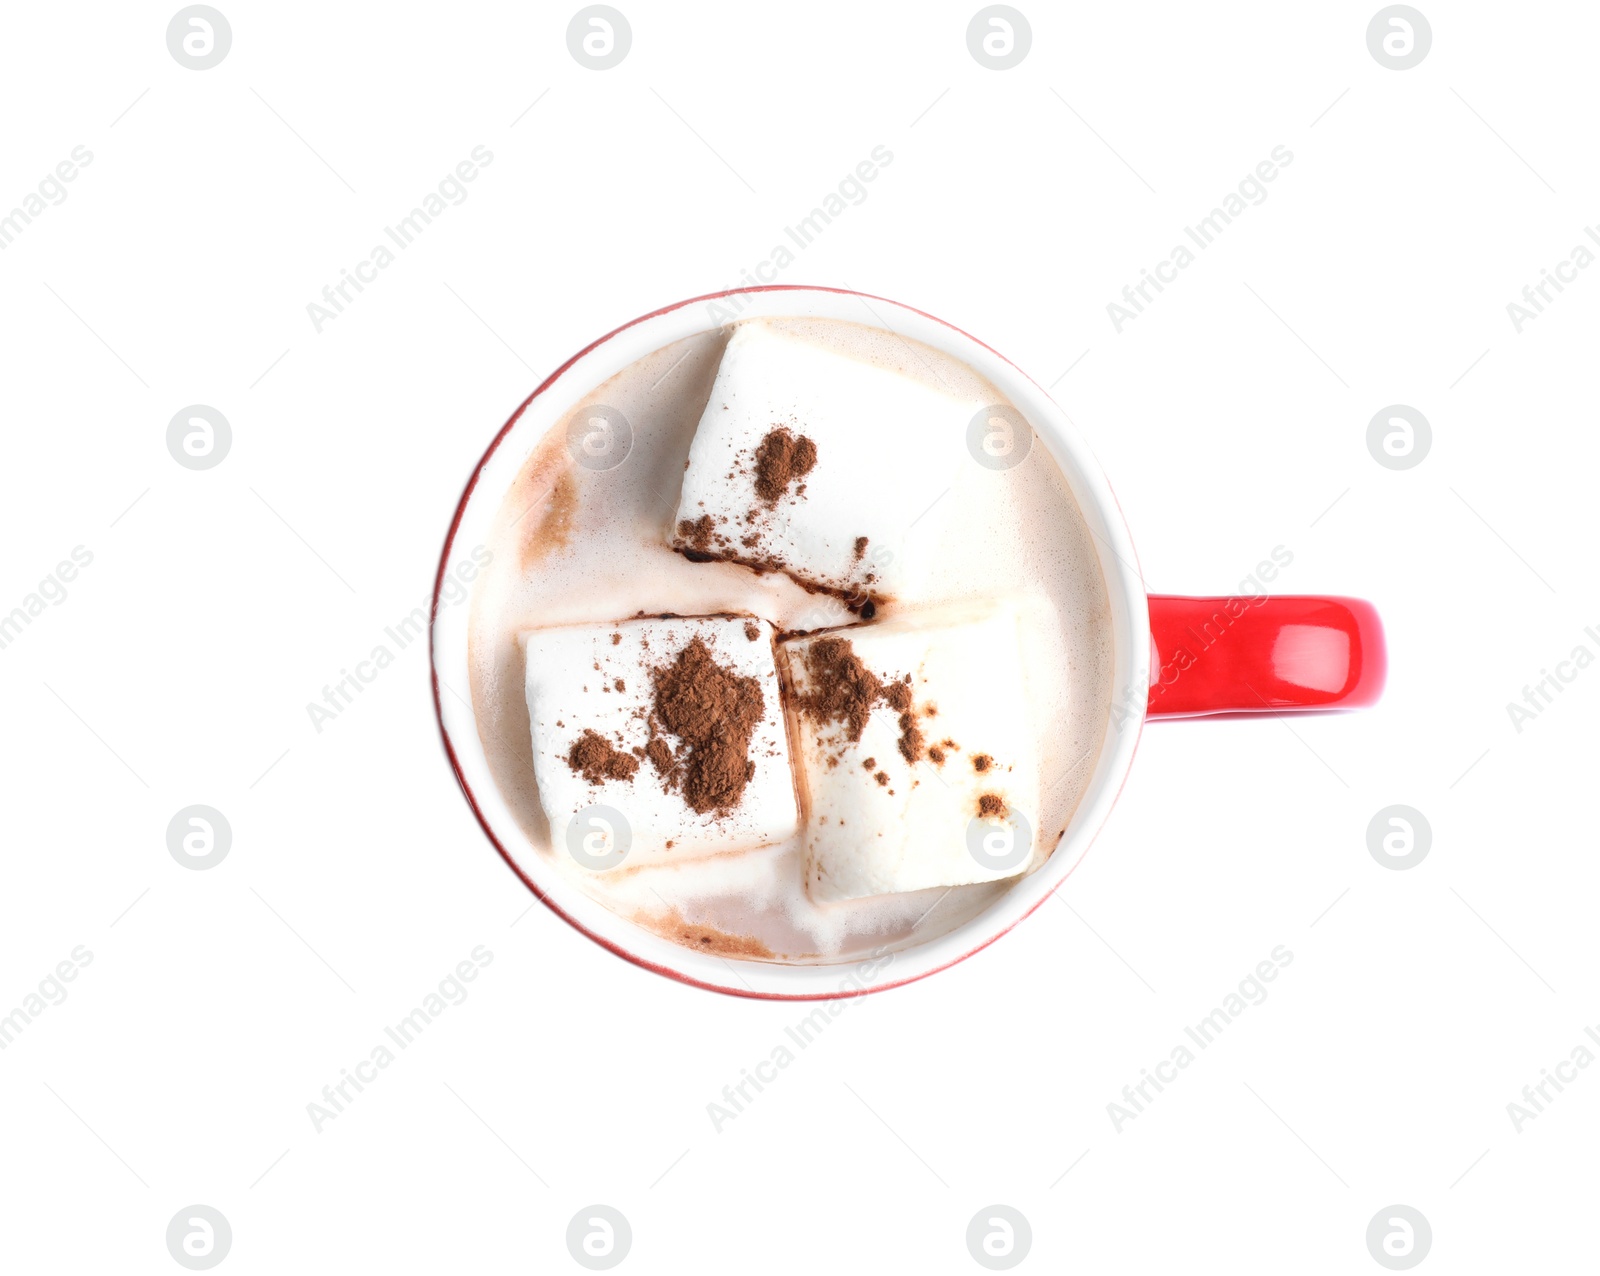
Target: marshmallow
817, 464
948, 693
647, 718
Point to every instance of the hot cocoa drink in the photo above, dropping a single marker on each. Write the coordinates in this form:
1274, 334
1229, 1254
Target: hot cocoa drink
793, 645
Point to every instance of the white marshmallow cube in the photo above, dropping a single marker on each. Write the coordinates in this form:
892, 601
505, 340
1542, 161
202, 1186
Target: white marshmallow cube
877, 824
572, 685
888, 446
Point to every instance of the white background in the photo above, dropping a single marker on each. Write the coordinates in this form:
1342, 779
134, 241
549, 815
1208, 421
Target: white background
1231, 418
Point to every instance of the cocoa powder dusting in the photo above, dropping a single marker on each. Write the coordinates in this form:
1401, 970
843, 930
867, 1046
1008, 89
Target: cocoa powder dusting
844, 690
661, 758
861, 547
595, 758
697, 531
715, 712
982, 762
991, 806
782, 458
752, 631
898, 694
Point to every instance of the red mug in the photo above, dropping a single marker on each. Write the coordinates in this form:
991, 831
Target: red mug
1174, 656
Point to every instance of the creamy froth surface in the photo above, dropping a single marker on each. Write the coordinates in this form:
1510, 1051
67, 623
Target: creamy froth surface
574, 545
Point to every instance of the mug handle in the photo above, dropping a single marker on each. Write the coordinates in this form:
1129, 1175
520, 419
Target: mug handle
1263, 655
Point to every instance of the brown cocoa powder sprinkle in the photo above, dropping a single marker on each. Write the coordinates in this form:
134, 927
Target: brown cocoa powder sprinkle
991, 806
882, 778
982, 762
697, 531
615, 639
782, 458
715, 712
661, 758
620, 685
898, 694
936, 755
861, 547
842, 688
870, 763
911, 739
752, 631
912, 744
595, 758
845, 690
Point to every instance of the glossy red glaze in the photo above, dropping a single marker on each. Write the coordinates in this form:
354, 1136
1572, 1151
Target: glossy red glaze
1263, 655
